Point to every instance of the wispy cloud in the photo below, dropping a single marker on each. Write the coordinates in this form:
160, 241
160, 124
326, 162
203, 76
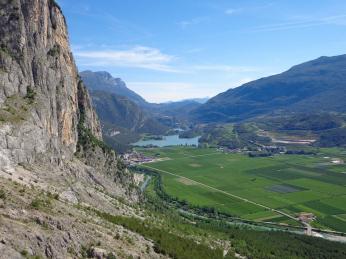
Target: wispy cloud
136, 57
226, 68
231, 11
303, 23
195, 21
148, 58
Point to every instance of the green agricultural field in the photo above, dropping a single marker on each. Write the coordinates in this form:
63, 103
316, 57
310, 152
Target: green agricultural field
241, 186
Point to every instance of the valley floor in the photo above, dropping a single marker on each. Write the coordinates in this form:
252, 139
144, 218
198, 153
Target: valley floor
271, 189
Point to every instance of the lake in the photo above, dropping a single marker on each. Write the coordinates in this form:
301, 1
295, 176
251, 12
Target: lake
173, 140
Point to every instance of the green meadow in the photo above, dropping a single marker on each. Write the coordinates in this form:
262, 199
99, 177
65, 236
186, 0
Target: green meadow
289, 183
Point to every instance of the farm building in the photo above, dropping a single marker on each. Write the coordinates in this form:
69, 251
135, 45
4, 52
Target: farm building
306, 217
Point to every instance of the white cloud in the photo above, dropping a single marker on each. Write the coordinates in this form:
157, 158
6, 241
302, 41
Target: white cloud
194, 21
136, 57
226, 68
231, 11
303, 23
147, 58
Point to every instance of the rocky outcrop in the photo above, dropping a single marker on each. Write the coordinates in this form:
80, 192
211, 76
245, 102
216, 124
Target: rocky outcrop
40, 90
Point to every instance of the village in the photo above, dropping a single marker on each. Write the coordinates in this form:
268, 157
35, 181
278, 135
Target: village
136, 158
259, 149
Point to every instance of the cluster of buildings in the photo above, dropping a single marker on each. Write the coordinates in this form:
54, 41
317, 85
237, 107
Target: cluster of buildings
260, 148
229, 150
275, 149
135, 158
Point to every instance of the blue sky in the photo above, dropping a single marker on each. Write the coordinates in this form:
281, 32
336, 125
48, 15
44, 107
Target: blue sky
177, 49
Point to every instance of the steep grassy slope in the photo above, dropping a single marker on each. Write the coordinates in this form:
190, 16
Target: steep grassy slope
122, 112
123, 120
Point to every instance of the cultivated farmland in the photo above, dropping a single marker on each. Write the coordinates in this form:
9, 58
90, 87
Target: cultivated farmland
238, 185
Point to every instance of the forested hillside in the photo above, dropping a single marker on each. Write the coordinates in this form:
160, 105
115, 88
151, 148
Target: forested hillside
315, 85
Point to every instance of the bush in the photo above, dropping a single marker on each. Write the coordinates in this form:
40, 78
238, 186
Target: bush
40, 203
110, 256
5, 50
54, 196
55, 51
30, 94
87, 252
2, 195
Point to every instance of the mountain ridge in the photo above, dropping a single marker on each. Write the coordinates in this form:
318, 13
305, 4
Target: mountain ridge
111, 95
120, 115
104, 81
304, 87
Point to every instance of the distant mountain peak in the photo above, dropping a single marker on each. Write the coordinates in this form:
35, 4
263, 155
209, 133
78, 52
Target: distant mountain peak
103, 75
104, 81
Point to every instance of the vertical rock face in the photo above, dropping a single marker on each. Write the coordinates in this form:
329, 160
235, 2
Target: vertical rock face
40, 90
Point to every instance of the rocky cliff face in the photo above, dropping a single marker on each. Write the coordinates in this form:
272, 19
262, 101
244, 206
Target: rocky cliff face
40, 90
46, 113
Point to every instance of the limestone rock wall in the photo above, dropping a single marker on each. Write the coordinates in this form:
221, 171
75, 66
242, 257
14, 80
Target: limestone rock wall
40, 90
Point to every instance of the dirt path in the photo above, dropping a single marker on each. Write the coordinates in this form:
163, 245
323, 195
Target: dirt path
209, 154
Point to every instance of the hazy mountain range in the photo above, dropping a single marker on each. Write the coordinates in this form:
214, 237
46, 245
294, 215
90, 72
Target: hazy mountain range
315, 85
